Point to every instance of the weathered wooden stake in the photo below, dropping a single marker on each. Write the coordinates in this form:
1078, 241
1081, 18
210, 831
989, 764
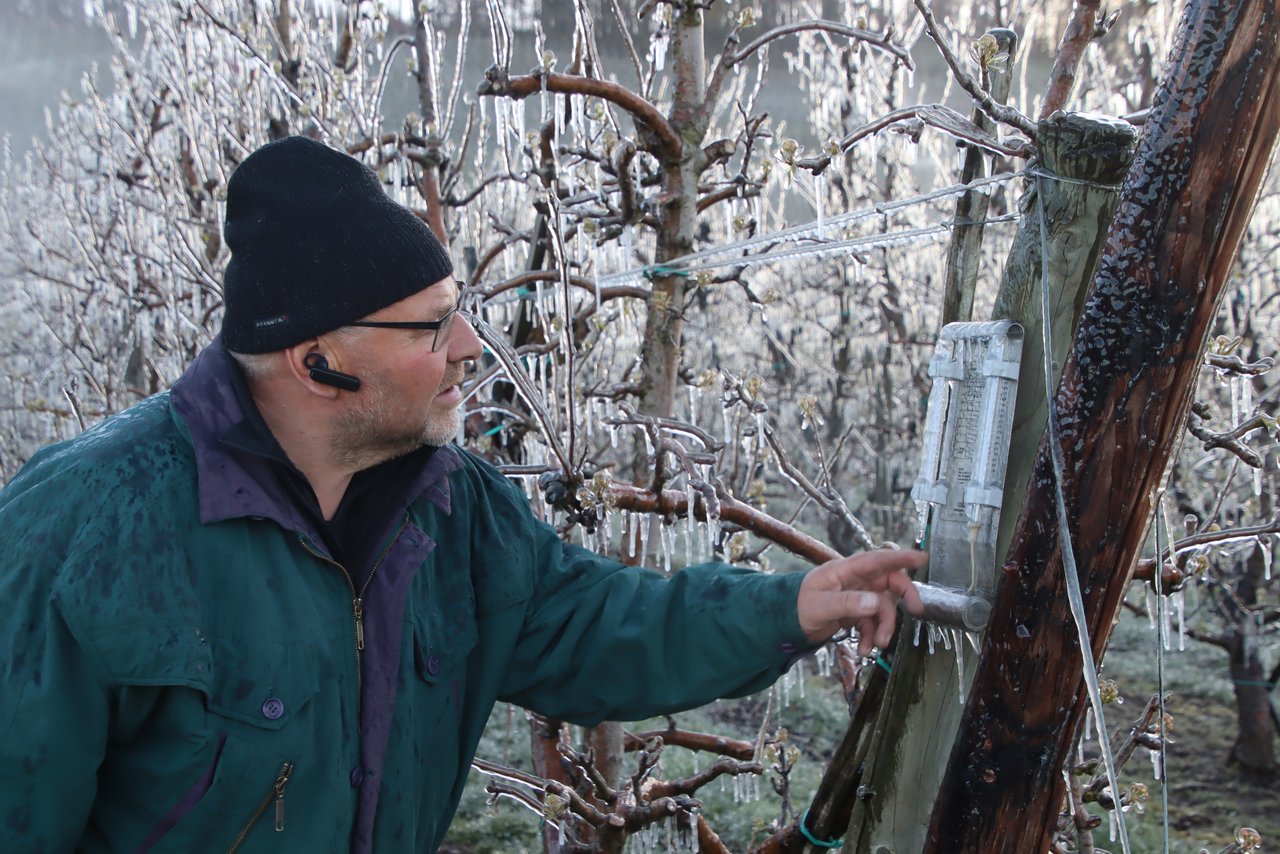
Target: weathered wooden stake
1122, 404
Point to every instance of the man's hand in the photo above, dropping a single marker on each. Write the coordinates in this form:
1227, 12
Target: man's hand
859, 592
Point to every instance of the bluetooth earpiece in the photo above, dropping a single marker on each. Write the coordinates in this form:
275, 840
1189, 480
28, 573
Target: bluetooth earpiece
318, 365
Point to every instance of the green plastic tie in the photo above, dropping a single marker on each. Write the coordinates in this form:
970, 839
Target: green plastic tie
839, 843
880, 661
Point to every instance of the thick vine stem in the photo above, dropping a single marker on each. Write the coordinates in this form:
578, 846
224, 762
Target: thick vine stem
498, 83
997, 111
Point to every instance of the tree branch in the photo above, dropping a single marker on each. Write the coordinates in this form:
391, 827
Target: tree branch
880, 40
997, 111
499, 84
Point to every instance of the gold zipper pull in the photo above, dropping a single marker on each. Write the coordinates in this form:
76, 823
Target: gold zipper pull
281, 781
358, 606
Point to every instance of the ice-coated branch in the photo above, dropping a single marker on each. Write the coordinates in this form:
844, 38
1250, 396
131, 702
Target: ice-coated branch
689, 785
498, 83
828, 500
734, 748
1231, 440
997, 111
938, 116
1236, 365
882, 40
672, 502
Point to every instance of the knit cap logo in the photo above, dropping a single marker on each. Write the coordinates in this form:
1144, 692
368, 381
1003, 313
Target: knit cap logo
271, 321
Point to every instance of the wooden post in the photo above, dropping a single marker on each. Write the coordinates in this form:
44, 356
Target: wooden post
914, 732
1122, 404
964, 252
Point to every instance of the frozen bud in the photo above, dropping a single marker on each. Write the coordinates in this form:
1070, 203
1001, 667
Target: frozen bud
707, 379
1138, 793
596, 110
747, 18
589, 226
554, 806
531, 139
753, 385
1197, 564
860, 23
740, 222
789, 147
548, 60
769, 297
703, 277
423, 8
1109, 690
793, 755
832, 147
1224, 345
1249, 839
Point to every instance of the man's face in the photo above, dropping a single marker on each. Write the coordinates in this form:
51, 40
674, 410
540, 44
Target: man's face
409, 396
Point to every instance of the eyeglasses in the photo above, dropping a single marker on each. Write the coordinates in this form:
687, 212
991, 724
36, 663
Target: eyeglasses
440, 327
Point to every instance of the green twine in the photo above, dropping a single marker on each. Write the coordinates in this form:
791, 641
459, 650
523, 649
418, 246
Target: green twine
839, 843
880, 661
662, 270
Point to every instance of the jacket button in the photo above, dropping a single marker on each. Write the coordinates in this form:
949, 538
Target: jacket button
433, 665
273, 708
357, 777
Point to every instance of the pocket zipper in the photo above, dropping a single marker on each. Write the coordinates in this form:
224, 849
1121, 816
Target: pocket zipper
276, 793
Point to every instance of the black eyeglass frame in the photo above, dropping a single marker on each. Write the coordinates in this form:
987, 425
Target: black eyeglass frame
436, 326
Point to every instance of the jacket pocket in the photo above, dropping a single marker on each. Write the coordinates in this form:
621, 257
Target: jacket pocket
215, 720
261, 683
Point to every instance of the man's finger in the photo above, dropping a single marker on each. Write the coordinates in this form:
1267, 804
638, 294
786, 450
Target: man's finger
866, 566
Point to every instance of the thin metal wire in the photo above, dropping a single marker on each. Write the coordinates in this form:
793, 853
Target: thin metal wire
1158, 582
1069, 570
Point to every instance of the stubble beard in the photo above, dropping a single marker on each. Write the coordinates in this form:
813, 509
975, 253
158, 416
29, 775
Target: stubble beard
377, 428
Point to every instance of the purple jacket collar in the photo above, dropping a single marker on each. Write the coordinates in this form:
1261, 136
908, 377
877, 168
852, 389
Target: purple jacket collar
234, 483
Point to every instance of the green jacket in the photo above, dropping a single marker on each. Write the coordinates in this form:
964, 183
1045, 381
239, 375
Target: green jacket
183, 667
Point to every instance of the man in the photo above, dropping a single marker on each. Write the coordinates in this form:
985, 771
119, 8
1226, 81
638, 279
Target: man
271, 609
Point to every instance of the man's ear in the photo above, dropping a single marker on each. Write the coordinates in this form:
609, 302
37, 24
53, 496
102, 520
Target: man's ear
296, 361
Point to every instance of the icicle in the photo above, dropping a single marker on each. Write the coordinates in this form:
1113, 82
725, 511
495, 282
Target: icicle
819, 190
1112, 815
1264, 543
946, 638
1088, 724
760, 443
1155, 764
665, 533
922, 519
915, 640
1179, 604
960, 662
644, 538
1165, 626
688, 526
932, 641
1151, 604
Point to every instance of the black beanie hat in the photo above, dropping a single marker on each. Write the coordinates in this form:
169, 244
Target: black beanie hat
315, 244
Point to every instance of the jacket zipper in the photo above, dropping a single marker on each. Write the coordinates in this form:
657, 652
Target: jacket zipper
357, 603
276, 793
